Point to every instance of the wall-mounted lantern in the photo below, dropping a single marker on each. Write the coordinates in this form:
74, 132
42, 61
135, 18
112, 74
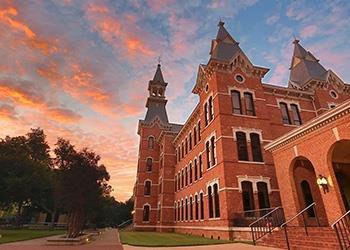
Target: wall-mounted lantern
322, 182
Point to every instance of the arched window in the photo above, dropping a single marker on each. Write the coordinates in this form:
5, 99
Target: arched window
186, 209
263, 195
200, 166
182, 150
247, 195
296, 114
149, 163
178, 210
182, 178
186, 176
191, 208
206, 113
242, 146
182, 210
195, 170
178, 153
285, 113
207, 149
199, 130
194, 136
210, 202
175, 181
308, 199
201, 200
216, 201
147, 189
196, 206
249, 104
211, 109
256, 147
190, 173
213, 156
178, 181
175, 207
236, 102
146, 210
190, 140
151, 142
186, 146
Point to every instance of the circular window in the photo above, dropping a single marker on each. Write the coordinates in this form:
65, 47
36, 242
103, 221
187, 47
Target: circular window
333, 94
206, 87
239, 78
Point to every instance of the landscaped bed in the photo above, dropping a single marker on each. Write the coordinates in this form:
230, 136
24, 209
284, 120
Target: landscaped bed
154, 239
11, 235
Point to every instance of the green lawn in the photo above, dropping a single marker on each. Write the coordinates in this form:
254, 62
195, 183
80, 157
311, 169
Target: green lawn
155, 239
12, 235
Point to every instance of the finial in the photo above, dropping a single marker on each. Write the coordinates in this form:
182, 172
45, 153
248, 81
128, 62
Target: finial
221, 23
159, 61
295, 39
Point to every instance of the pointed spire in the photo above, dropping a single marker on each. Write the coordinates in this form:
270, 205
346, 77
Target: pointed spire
158, 76
223, 35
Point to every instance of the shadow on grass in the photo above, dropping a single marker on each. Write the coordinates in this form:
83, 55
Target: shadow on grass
13, 235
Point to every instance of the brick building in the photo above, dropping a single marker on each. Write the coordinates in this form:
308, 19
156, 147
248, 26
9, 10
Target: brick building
204, 177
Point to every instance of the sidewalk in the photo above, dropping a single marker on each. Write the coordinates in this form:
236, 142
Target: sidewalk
234, 246
108, 240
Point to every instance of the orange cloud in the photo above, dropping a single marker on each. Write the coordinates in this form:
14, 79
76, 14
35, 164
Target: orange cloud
49, 71
7, 113
19, 96
63, 115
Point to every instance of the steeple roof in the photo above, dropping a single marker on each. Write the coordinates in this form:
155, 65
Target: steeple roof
305, 66
223, 34
158, 76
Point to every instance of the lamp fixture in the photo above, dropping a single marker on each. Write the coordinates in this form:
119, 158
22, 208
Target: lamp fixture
322, 182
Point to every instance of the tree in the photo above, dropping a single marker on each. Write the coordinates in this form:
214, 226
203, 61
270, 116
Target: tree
84, 182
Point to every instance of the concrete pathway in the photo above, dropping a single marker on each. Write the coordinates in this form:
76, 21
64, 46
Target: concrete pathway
234, 246
108, 240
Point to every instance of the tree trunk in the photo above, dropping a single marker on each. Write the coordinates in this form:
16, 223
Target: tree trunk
19, 213
75, 223
53, 216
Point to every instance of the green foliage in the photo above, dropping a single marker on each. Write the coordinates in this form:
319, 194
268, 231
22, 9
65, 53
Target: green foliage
154, 239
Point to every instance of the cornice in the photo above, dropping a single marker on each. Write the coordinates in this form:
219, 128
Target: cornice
194, 116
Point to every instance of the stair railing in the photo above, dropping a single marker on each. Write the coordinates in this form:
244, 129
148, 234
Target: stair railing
266, 223
125, 223
342, 229
284, 225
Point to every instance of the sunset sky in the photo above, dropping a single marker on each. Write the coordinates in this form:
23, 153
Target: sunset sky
80, 69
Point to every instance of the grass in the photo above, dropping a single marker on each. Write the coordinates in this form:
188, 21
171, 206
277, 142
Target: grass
12, 235
155, 239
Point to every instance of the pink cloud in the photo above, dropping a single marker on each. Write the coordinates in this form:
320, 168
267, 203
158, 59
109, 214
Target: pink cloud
309, 31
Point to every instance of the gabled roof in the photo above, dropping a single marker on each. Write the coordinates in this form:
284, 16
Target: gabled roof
305, 66
158, 76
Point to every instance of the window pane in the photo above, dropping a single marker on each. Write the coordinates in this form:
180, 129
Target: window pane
202, 206
207, 145
211, 109
146, 213
149, 164
210, 202
263, 195
242, 146
296, 114
206, 113
212, 142
216, 201
200, 167
285, 114
236, 102
256, 148
247, 195
249, 104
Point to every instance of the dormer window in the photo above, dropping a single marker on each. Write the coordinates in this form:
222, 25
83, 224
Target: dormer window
249, 104
236, 101
285, 113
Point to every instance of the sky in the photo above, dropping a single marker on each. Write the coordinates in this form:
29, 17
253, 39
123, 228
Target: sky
79, 69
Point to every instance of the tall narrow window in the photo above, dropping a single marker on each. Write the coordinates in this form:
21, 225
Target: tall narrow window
216, 200
146, 210
194, 136
201, 200
296, 114
190, 140
249, 104
175, 181
207, 149
186, 145
147, 189
175, 209
186, 209
186, 176
149, 163
178, 211
179, 154
200, 166
195, 170
196, 206
206, 113
247, 195
236, 102
256, 147
263, 195
190, 173
210, 202
242, 146
182, 178
178, 181
211, 109
199, 130
151, 142
191, 208
213, 156
182, 210
285, 113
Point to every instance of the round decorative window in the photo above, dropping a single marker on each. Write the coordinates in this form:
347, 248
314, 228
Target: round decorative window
206, 87
333, 94
239, 78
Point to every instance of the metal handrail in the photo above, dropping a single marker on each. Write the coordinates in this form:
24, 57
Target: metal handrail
125, 222
348, 212
301, 212
256, 210
261, 218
